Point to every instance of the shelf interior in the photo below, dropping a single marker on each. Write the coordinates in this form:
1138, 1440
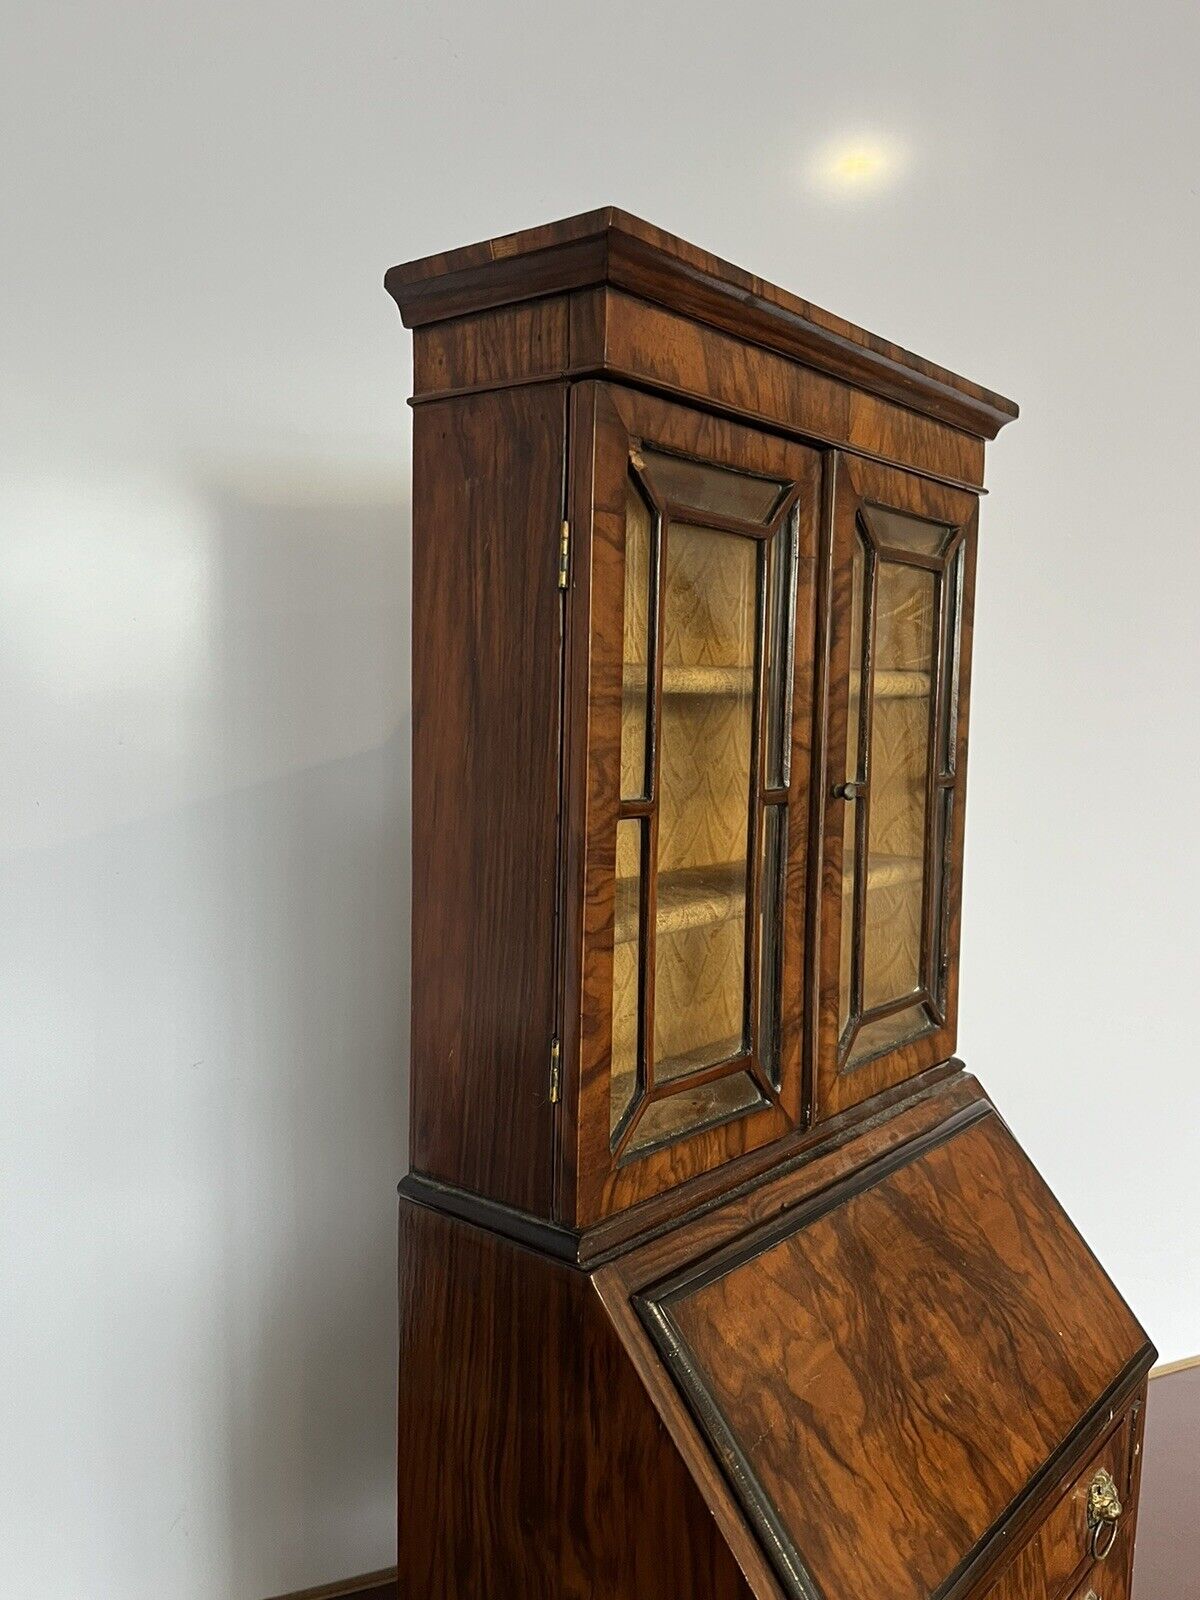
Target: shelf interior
895, 683
680, 1066
889, 872
716, 682
701, 897
692, 897
699, 681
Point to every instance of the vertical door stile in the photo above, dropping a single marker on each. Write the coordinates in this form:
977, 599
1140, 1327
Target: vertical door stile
751, 1009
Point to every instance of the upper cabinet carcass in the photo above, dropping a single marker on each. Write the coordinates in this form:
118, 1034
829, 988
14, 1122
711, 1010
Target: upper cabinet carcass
693, 563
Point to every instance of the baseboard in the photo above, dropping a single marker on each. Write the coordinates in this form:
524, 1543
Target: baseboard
1169, 1367
370, 1586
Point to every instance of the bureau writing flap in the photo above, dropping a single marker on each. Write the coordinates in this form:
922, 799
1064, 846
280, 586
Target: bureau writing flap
883, 1371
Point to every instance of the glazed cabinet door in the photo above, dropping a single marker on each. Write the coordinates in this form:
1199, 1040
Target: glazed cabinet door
901, 570
690, 624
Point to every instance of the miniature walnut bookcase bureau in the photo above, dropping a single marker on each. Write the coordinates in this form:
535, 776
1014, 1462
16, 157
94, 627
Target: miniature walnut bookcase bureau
719, 1277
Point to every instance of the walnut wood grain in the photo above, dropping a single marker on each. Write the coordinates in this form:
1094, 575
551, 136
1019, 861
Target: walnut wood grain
494, 348
531, 1461
1057, 1554
650, 345
885, 1371
800, 1158
604, 333
487, 506
610, 246
1109, 1582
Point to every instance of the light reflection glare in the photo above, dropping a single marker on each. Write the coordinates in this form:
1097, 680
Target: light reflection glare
856, 165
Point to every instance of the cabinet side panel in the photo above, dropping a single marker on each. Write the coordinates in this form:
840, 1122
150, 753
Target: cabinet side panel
494, 347
531, 1462
487, 498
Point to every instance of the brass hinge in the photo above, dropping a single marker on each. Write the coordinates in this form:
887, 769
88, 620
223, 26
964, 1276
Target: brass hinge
555, 1073
564, 555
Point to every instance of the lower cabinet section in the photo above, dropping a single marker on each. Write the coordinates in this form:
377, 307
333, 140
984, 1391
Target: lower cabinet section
895, 1367
531, 1463
1087, 1529
889, 1369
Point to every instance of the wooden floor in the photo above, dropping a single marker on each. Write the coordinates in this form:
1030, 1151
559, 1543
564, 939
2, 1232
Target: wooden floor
1168, 1545
1167, 1563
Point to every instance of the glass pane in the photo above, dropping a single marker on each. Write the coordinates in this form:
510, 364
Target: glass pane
770, 957
948, 742
899, 772
903, 532
777, 670
627, 948
636, 653
851, 769
885, 1033
693, 1109
941, 901
706, 488
704, 803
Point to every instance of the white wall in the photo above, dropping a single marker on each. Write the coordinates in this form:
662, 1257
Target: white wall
203, 641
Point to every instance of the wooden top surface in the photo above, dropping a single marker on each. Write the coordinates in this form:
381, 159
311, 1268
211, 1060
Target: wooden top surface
609, 246
886, 1371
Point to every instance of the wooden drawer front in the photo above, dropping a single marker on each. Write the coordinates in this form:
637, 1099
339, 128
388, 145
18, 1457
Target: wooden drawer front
1060, 1550
1107, 1580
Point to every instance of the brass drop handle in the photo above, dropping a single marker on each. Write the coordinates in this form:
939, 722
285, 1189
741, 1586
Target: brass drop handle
849, 791
1103, 1513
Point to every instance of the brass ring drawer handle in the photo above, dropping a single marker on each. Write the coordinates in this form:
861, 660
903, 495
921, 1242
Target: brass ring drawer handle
1103, 1513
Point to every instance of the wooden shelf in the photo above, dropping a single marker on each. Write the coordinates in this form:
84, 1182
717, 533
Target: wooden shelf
699, 682
895, 684
700, 897
706, 1055
680, 1066
694, 897
889, 872
714, 682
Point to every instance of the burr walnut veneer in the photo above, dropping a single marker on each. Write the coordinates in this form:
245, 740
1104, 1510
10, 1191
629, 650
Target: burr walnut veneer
719, 1276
